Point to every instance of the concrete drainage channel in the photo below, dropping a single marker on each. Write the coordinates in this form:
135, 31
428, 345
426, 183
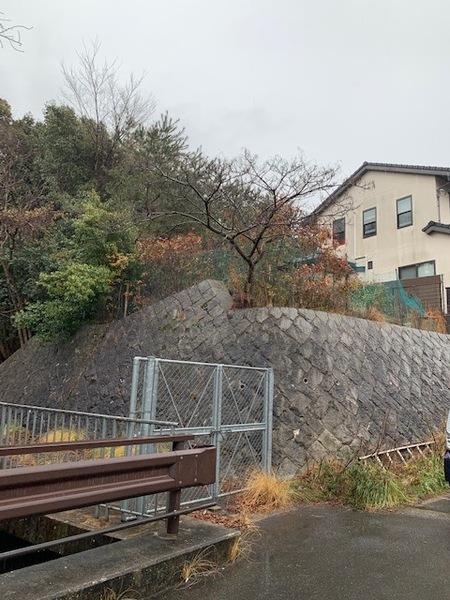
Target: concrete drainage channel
143, 560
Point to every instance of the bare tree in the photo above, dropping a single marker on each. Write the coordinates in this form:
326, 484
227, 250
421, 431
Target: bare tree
248, 203
11, 34
94, 90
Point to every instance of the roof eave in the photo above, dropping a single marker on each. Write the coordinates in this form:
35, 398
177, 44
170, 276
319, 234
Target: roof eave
433, 227
379, 167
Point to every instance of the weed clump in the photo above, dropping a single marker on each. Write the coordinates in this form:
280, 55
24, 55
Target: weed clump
265, 492
198, 566
371, 486
368, 485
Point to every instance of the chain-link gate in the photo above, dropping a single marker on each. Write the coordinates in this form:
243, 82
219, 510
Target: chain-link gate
229, 406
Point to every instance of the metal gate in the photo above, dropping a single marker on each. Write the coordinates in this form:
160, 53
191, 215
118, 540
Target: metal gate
229, 406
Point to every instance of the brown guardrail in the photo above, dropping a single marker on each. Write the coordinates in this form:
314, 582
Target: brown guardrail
27, 491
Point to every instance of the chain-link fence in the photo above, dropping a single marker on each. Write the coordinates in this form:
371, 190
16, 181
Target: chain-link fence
229, 406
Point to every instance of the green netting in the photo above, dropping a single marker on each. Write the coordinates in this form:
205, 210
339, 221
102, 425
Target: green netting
388, 297
401, 297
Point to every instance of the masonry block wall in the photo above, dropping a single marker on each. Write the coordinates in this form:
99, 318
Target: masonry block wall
342, 385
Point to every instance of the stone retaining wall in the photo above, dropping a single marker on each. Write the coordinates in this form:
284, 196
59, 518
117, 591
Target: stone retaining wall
342, 384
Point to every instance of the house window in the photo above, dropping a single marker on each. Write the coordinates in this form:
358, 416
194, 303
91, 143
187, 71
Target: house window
404, 212
424, 269
339, 231
370, 265
369, 222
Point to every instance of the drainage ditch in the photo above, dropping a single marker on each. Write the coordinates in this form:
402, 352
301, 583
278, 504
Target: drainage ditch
24, 533
11, 542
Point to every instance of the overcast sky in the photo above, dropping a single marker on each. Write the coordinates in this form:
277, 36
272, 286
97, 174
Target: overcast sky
342, 80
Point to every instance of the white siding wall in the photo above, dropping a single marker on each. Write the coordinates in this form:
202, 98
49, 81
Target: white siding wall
391, 248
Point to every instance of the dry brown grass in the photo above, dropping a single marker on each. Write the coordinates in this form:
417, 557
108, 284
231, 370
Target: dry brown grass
439, 438
111, 452
62, 435
437, 320
240, 520
265, 492
128, 594
374, 314
243, 545
198, 566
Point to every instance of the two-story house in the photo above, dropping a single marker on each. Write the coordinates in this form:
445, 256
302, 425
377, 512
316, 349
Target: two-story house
393, 222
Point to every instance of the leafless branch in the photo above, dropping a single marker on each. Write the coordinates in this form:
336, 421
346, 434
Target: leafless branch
94, 90
11, 34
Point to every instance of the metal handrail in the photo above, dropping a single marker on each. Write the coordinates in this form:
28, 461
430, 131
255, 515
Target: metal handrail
203, 364
88, 414
88, 444
92, 535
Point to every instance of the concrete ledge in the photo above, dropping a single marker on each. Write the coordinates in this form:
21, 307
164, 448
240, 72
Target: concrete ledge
145, 563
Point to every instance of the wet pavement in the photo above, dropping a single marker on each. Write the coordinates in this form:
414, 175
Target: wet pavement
325, 552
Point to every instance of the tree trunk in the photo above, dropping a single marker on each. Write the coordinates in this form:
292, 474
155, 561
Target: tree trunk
249, 284
17, 302
127, 296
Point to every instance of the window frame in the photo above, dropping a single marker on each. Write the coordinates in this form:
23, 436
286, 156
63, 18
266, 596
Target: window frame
405, 212
339, 241
367, 235
416, 266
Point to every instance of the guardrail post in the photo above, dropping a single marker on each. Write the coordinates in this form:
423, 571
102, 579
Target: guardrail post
174, 499
174, 504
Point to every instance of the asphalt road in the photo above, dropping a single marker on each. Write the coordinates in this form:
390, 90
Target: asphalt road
325, 552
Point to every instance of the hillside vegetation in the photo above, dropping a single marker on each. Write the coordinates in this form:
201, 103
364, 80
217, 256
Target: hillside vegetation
106, 207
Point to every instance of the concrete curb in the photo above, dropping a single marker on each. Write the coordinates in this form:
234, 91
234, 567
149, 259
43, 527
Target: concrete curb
145, 563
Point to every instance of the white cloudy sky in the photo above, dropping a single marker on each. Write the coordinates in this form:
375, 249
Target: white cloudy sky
343, 80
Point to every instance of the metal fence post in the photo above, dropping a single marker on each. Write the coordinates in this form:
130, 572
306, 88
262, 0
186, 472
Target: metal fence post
268, 420
149, 411
150, 392
134, 386
216, 423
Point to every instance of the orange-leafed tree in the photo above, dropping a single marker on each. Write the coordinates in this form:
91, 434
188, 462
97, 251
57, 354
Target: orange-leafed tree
249, 204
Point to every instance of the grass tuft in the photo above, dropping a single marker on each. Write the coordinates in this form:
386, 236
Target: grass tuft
242, 546
370, 486
128, 594
425, 475
265, 492
198, 566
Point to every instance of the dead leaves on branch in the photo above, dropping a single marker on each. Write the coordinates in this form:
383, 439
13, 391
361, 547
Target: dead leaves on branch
28, 222
163, 249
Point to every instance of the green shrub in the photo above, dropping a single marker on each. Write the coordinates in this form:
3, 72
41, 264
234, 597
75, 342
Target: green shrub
73, 294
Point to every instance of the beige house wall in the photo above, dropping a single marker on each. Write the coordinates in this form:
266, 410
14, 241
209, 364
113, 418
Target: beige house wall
391, 247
